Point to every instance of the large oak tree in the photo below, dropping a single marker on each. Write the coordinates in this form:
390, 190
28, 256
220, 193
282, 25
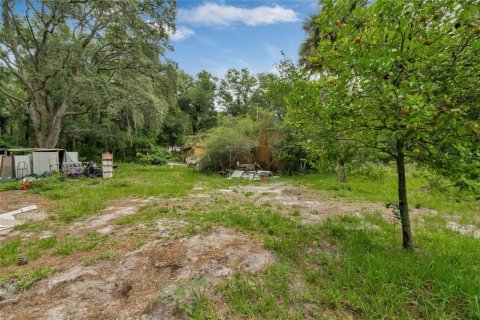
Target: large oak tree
65, 51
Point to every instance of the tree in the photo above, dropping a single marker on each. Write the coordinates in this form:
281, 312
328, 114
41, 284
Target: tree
333, 146
196, 97
401, 78
235, 92
61, 50
312, 37
310, 123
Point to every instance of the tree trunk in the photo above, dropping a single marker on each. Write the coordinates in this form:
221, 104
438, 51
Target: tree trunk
402, 198
47, 120
341, 176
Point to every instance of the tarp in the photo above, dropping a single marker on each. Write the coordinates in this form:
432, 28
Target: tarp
71, 156
237, 174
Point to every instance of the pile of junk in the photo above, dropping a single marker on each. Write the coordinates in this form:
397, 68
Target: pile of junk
17, 164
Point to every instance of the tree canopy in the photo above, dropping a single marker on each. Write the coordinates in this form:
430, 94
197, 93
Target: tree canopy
69, 56
401, 77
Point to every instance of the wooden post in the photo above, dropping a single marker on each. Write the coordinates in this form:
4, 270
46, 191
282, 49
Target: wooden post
107, 165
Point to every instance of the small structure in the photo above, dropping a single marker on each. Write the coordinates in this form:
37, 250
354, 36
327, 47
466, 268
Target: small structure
18, 163
107, 165
264, 157
193, 151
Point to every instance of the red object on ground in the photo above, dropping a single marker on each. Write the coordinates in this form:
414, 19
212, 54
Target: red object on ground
25, 185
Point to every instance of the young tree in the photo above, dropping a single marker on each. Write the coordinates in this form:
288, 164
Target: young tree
402, 77
62, 49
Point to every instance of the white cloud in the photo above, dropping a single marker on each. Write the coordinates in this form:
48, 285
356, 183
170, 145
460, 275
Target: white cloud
212, 14
182, 33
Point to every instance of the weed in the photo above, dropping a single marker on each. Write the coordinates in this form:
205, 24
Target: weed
29, 278
110, 255
200, 307
68, 246
9, 251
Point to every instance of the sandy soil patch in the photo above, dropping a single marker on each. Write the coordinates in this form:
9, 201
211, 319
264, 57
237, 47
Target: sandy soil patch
144, 283
312, 206
17, 199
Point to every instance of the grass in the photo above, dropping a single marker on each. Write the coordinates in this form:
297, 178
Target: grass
83, 197
441, 280
346, 267
26, 279
9, 251
13, 249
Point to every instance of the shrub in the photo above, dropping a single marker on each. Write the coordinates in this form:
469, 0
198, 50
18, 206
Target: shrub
231, 142
159, 155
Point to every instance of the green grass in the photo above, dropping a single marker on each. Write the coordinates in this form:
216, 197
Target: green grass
13, 249
9, 251
72, 244
26, 279
77, 198
368, 276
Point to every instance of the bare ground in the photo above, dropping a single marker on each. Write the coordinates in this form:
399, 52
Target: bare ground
17, 199
312, 206
144, 283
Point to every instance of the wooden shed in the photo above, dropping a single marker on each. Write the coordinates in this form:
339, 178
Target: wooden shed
264, 157
196, 151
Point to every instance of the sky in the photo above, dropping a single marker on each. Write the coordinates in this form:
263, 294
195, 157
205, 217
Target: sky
217, 35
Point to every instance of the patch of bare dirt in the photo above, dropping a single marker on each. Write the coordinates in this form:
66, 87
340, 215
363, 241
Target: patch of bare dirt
17, 199
312, 206
144, 283
116, 210
465, 230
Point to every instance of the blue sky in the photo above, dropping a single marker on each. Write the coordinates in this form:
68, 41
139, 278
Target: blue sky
217, 35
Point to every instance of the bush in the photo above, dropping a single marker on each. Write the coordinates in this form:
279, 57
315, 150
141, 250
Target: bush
159, 155
231, 142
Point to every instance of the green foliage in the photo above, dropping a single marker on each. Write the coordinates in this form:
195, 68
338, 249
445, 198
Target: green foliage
234, 140
159, 155
236, 91
196, 99
398, 81
88, 56
288, 149
388, 86
5, 142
